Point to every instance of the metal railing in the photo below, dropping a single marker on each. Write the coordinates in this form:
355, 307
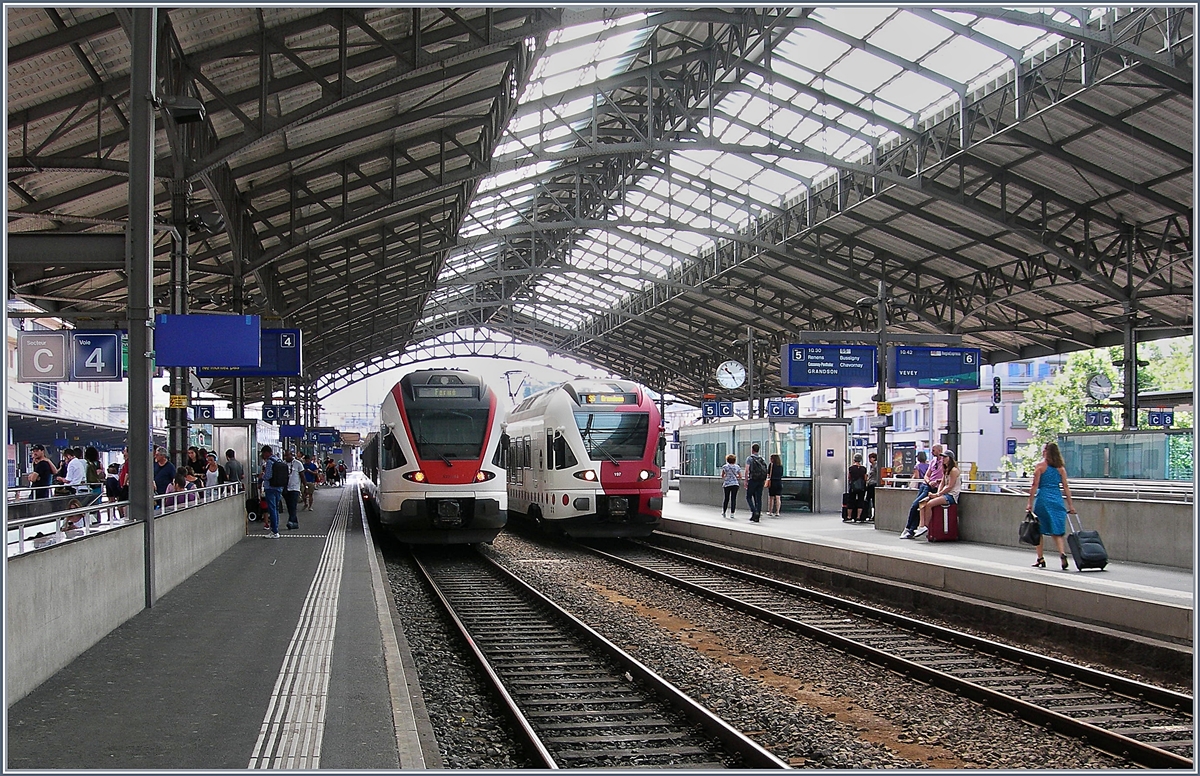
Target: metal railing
1124, 490
33, 532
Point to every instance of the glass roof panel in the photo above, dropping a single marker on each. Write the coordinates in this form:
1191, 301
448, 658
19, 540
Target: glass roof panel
909, 36
855, 21
869, 94
948, 59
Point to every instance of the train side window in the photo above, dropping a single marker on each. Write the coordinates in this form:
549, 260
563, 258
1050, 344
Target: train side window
390, 454
550, 457
563, 457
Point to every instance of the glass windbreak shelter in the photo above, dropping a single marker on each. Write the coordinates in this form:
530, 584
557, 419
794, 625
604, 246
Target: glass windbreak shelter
1129, 455
813, 455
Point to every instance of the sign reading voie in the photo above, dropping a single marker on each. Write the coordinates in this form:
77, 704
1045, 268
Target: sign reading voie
829, 366
280, 350
944, 368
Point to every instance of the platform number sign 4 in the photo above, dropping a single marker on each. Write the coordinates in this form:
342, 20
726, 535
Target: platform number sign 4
287, 340
96, 356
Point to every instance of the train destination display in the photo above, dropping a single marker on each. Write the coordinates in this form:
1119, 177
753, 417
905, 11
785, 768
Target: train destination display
936, 368
829, 366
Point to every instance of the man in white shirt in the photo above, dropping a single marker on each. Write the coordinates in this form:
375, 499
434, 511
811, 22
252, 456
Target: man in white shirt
76, 470
291, 494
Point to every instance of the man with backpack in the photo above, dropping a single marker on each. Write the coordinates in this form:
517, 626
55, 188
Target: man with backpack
274, 478
756, 476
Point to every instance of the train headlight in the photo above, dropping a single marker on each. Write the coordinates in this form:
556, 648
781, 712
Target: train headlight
417, 476
588, 475
645, 474
482, 476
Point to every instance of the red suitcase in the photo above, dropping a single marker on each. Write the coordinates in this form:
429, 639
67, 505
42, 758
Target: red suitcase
943, 525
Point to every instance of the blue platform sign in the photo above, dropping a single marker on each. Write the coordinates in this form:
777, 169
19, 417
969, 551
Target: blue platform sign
281, 357
289, 431
1164, 419
204, 411
725, 409
708, 409
829, 366
1010, 447
1100, 418
96, 356
206, 340
936, 368
277, 412
778, 409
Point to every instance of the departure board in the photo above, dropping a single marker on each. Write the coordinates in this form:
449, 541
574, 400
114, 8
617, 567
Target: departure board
446, 391
937, 368
829, 366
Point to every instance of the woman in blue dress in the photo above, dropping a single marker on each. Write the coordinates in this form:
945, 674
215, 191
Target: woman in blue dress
1049, 505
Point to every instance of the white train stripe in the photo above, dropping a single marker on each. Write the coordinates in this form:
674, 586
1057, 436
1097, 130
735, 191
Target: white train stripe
292, 730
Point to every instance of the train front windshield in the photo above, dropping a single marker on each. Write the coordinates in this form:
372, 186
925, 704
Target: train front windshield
619, 436
451, 434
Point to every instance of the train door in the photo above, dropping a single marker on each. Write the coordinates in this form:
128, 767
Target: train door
549, 465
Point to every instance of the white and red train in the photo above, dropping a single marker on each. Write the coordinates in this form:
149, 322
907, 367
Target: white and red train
437, 460
585, 459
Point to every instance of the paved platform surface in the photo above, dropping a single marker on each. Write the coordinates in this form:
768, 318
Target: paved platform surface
275, 655
1157, 601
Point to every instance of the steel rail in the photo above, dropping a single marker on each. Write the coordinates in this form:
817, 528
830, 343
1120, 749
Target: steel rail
529, 737
1105, 740
753, 755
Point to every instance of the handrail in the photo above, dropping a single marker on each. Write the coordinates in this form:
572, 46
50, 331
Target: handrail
1136, 490
101, 516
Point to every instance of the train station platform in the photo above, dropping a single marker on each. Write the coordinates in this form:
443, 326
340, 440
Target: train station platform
281, 653
278, 654
1135, 607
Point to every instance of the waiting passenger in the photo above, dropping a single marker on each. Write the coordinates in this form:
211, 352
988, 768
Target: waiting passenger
756, 477
731, 476
1049, 506
856, 486
874, 480
930, 483
213, 474
774, 485
112, 483
233, 468
180, 485
946, 495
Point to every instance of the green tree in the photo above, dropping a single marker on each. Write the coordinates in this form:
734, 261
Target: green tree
1060, 405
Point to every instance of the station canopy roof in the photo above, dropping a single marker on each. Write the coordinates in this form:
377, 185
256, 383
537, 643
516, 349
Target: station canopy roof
641, 190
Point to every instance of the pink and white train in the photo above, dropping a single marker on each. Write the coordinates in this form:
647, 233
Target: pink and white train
585, 459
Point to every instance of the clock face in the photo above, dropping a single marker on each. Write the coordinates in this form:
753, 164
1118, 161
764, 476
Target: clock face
731, 374
1099, 387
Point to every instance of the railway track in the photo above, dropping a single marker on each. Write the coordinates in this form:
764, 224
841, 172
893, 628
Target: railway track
575, 699
1141, 723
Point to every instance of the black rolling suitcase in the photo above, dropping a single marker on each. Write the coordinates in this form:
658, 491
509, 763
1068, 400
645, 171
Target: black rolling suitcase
845, 507
1086, 547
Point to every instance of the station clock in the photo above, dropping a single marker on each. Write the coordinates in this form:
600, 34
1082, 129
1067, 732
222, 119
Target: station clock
731, 374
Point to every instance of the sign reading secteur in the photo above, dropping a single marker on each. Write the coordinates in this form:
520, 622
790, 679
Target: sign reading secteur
829, 366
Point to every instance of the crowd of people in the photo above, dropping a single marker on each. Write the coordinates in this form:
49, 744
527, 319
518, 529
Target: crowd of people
937, 478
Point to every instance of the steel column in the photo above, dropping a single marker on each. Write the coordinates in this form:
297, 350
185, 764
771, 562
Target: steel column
141, 280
